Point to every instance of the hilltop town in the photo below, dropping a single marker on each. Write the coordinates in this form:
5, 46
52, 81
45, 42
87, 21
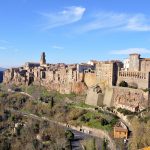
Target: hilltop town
101, 80
98, 98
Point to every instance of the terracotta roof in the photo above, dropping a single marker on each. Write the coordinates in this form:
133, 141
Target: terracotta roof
120, 129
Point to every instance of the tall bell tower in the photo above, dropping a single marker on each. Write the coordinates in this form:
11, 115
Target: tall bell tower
43, 59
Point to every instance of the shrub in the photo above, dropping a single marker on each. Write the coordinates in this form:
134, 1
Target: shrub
123, 84
3, 95
85, 119
69, 135
104, 122
146, 90
125, 111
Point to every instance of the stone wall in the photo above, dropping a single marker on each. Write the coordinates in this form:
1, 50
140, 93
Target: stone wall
138, 79
108, 97
94, 96
90, 79
127, 98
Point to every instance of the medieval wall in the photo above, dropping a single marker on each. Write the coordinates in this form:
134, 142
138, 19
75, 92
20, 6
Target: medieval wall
94, 96
90, 79
108, 97
139, 79
127, 98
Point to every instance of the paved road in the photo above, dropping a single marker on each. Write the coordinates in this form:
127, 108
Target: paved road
78, 136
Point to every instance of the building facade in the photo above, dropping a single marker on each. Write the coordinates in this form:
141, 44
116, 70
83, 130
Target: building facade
137, 74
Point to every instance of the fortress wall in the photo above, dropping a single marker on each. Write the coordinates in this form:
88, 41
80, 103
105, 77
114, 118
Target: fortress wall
90, 79
141, 79
127, 98
108, 96
94, 97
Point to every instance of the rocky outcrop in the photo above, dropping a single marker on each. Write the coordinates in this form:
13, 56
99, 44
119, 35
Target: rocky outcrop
130, 98
67, 88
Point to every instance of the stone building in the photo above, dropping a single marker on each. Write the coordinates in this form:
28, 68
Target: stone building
43, 59
138, 73
64, 78
120, 130
107, 72
61, 77
126, 64
88, 77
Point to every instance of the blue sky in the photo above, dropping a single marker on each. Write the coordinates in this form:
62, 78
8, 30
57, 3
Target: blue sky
72, 31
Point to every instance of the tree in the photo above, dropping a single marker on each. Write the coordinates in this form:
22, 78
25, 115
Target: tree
123, 84
140, 137
69, 135
104, 122
52, 102
105, 144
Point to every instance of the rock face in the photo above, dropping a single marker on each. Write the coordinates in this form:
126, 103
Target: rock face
130, 98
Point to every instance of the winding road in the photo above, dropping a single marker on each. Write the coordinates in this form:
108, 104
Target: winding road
78, 136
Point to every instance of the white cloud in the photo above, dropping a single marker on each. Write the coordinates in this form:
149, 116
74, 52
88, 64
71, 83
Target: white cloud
67, 16
131, 50
121, 21
57, 47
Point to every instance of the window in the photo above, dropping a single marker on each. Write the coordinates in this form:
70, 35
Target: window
43, 75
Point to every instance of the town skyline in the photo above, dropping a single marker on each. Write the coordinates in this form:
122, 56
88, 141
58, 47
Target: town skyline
73, 31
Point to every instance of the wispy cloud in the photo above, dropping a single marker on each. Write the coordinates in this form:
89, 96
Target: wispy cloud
130, 51
57, 47
67, 16
117, 21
